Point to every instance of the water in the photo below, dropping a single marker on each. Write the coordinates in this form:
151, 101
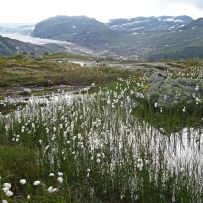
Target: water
98, 132
181, 149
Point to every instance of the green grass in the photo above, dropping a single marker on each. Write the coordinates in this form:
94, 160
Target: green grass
170, 119
194, 62
109, 147
20, 70
104, 152
8, 108
62, 55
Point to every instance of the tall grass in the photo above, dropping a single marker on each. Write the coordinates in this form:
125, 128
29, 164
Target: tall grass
98, 151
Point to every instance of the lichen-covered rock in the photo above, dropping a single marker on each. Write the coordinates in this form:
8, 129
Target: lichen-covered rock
168, 92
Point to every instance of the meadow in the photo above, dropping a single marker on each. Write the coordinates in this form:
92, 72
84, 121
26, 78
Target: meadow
102, 145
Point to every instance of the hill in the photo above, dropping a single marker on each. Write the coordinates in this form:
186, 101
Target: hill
11, 46
140, 38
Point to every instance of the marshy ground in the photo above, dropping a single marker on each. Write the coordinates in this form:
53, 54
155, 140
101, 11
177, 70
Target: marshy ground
101, 144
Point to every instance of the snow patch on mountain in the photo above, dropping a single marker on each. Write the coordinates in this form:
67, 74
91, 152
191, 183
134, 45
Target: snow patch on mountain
173, 20
137, 28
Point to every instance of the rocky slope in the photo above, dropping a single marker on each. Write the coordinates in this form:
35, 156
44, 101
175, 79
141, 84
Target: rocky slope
141, 38
11, 46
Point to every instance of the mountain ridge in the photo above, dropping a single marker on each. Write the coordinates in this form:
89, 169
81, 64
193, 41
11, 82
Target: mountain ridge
148, 38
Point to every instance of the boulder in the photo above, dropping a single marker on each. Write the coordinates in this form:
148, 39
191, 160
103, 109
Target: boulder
25, 92
168, 92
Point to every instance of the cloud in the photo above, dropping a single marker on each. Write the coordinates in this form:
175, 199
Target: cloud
36, 10
195, 3
166, 3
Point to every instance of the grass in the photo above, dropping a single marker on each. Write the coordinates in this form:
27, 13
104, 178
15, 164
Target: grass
172, 119
102, 145
194, 62
25, 71
62, 55
10, 107
103, 151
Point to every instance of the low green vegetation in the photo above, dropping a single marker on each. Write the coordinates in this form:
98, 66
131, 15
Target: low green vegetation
103, 145
8, 108
194, 62
64, 55
170, 119
26, 71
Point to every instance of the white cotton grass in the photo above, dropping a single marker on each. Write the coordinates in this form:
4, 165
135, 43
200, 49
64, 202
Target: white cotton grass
5, 189
37, 182
9, 193
60, 179
94, 136
155, 105
140, 164
184, 109
88, 173
50, 189
182, 170
7, 185
55, 190
22, 181
60, 174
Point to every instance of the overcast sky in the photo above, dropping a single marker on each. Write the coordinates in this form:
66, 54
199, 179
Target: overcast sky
33, 11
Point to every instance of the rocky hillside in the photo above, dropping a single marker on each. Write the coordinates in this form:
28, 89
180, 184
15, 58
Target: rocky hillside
142, 37
64, 27
10, 46
81, 30
146, 24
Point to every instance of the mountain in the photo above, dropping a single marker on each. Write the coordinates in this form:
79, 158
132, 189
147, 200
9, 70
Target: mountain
195, 24
184, 42
64, 27
81, 30
11, 46
141, 37
143, 24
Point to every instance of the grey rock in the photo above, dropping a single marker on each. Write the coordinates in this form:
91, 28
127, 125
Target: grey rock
168, 92
156, 77
27, 90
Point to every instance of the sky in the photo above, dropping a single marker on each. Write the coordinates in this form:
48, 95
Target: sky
33, 11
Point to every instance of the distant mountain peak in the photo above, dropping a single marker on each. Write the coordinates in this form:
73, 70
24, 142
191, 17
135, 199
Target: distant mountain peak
150, 23
143, 37
198, 23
